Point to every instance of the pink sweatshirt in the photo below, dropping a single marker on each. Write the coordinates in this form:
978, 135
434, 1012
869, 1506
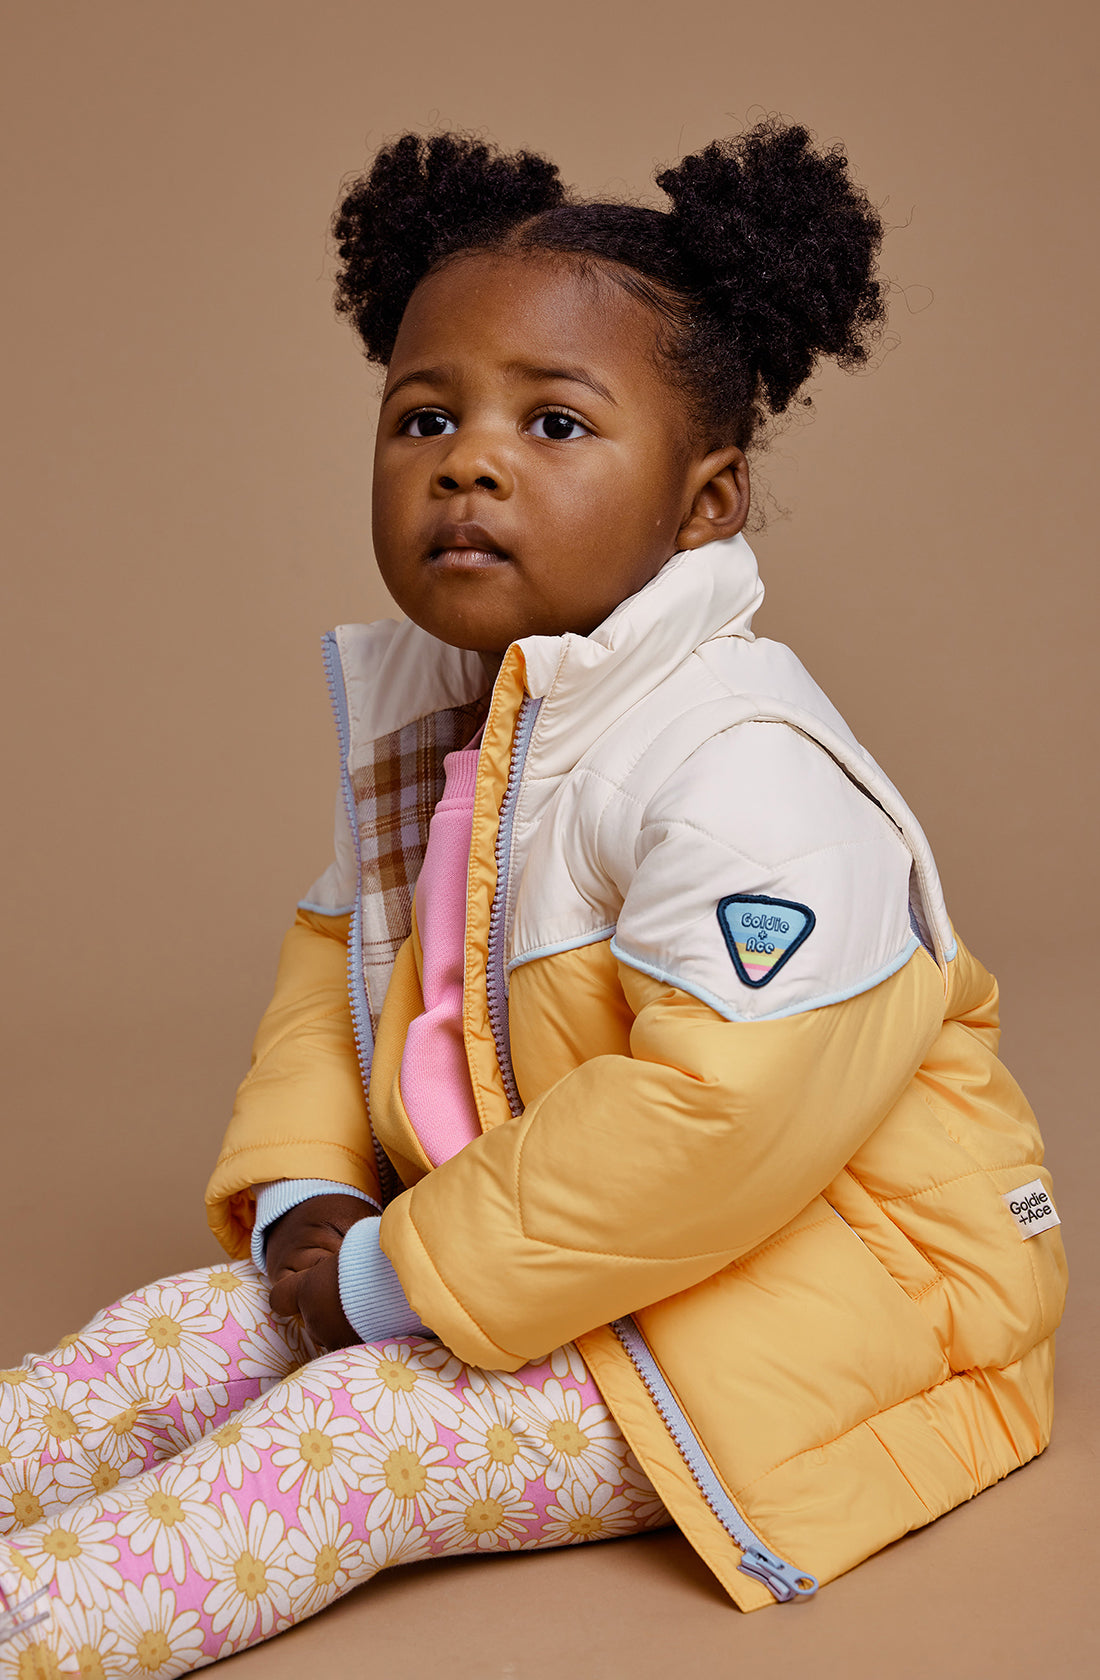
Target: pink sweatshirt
435, 1076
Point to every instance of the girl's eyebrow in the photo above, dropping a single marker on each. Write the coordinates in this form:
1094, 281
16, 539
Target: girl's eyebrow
576, 376
524, 370
419, 376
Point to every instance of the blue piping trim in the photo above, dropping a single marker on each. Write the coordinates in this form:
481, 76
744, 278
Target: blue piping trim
325, 909
722, 1007
561, 945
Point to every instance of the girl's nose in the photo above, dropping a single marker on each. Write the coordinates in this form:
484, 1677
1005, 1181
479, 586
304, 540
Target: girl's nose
483, 481
471, 465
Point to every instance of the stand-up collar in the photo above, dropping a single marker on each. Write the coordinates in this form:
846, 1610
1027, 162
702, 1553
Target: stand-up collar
396, 672
699, 593
586, 682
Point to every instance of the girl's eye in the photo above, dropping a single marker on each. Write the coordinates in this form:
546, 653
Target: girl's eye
428, 423
558, 426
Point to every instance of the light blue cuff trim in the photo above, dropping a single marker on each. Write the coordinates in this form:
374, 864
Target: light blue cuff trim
723, 1007
277, 1198
370, 1290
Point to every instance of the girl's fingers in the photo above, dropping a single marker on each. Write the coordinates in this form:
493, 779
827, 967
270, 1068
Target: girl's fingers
312, 1228
320, 1307
283, 1295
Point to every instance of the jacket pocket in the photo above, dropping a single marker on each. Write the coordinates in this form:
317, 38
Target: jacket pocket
904, 1261
792, 1346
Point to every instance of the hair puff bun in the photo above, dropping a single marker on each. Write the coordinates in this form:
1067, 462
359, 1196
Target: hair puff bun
783, 248
422, 199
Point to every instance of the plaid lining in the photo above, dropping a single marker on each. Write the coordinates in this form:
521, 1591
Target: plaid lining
396, 791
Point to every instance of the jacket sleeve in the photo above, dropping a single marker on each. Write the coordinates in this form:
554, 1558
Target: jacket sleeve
301, 1111
636, 1177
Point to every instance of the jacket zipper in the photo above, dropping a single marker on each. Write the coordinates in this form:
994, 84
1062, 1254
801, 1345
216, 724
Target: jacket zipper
21, 1617
495, 987
360, 1014
781, 1578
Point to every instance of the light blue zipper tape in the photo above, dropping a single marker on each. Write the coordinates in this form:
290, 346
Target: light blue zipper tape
360, 1013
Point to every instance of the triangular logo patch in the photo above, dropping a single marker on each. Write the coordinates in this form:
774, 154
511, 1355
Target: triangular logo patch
761, 934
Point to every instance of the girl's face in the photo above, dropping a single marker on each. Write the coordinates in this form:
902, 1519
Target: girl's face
533, 468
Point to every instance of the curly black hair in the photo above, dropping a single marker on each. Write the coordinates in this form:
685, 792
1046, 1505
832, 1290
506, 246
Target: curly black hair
764, 262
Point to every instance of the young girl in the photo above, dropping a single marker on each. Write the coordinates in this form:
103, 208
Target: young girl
625, 1142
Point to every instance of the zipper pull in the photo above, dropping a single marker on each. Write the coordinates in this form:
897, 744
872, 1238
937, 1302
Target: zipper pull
782, 1579
17, 1618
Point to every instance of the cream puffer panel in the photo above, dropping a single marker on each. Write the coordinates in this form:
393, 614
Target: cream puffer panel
733, 776
334, 892
758, 810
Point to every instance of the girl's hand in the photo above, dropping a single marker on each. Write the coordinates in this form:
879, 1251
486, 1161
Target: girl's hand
303, 1258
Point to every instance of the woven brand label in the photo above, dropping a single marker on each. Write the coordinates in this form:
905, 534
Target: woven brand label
1031, 1208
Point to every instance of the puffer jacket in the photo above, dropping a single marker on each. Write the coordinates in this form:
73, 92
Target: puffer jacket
745, 1136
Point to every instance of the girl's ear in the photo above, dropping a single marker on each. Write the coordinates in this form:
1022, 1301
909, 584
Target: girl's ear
720, 503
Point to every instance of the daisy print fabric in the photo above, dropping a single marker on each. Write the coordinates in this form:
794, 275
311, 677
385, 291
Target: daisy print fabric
184, 1477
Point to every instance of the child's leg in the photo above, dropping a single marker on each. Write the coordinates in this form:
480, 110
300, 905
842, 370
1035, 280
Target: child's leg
365, 1458
146, 1377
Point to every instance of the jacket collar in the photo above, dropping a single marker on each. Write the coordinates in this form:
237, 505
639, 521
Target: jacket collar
699, 593
586, 682
395, 673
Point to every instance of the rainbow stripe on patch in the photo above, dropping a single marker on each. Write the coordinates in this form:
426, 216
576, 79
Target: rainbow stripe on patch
761, 934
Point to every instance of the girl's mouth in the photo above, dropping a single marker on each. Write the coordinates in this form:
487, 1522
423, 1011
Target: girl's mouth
466, 547
466, 559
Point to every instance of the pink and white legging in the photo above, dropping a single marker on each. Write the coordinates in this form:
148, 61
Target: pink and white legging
184, 1478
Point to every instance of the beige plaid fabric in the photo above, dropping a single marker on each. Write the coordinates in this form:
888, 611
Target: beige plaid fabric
396, 790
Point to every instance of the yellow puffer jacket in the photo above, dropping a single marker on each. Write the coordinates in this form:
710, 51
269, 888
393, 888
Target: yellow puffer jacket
746, 1139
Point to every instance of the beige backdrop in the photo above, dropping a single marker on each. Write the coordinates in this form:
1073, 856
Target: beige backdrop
188, 436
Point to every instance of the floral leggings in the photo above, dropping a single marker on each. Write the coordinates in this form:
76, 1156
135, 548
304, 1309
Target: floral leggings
184, 1478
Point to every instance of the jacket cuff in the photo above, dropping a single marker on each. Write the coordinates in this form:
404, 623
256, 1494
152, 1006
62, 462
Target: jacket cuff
370, 1290
277, 1198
